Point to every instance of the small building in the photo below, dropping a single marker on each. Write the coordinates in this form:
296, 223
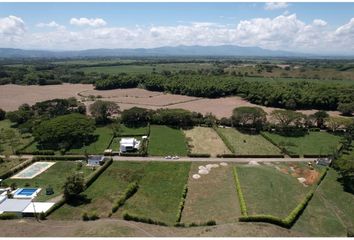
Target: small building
95, 160
323, 161
129, 144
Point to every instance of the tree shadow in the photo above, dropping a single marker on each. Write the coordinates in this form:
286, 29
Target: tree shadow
81, 199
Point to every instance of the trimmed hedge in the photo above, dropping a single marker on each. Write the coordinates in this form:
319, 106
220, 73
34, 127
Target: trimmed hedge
274, 143
128, 192
57, 205
197, 155
208, 223
93, 176
19, 167
90, 216
294, 155
181, 204
60, 158
129, 217
228, 155
315, 155
8, 216
241, 198
224, 139
132, 154
38, 152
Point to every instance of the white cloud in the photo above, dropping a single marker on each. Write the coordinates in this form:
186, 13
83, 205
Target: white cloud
12, 26
319, 22
92, 22
275, 5
51, 24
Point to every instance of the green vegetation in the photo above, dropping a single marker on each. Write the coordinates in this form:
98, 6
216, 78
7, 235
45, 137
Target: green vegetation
7, 164
166, 141
134, 131
312, 143
54, 177
244, 144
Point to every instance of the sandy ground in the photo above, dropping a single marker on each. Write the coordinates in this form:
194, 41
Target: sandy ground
205, 140
121, 228
12, 96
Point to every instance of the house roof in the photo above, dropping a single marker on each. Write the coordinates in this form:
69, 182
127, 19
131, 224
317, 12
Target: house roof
127, 141
95, 157
38, 207
14, 205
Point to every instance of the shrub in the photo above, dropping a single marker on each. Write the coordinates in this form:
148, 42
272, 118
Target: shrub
129, 192
42, 216
89, 216
239, 193
178, 224
85, 217
210, 223
38, 152
8, 216
129, 217
205, 155
181, 204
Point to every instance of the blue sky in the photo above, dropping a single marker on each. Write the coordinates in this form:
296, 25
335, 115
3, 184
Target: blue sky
58, 25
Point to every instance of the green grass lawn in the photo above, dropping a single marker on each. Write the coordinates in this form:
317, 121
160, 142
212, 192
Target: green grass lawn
269, 191
330, 211
134, 131
54, 176
166, 141
246, 144
105, 135
160, 191
104, 191
7, 164
312, 143
22, 139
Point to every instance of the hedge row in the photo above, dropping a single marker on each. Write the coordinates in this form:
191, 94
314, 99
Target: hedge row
129, 217
197, 155
228, 155
19, 167
181, 203
90, 216
57, 205
131, 154
8, 216
128, 192
60, 158
315, 155
274, 143
93, 176
38, 152
240, 194
294, 155
208, 223
224, 139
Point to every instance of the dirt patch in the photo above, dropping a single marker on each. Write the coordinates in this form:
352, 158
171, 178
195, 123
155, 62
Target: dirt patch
311, 175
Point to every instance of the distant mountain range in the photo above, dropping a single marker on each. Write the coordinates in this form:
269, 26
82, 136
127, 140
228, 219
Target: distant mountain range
179, 51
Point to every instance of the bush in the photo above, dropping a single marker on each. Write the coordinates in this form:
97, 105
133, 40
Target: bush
241, 198
8, 216
226, 155
90, 216
130, 217
314, 155
181, 204
42, 216
210, 223
179, 224
196, 155
19, 167
93, 176
129, 192
60, 158
38, 152
85, 217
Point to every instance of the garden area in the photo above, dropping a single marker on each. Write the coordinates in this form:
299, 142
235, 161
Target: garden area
247, 144
7, 164
313, 143
165, 140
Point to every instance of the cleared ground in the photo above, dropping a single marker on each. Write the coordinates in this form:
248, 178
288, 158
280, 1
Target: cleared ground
164, 141
312, 143
55, 177
246, 144
205, 140
211, 197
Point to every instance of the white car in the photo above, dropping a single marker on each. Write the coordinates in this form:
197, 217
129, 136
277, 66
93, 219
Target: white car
175, 157
168, 157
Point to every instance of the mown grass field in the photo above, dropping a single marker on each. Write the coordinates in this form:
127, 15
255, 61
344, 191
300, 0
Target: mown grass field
330, 212
21, 139
211, 197
269, 191
205, 140
104, 191
54, 176
134, 130
312, 143
246, 144
7, 164
166, 141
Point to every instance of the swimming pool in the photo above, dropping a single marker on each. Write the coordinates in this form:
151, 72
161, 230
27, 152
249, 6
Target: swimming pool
26, 192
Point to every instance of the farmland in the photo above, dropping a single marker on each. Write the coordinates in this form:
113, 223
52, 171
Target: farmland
312, 143
166, 141
205, 140
248, 144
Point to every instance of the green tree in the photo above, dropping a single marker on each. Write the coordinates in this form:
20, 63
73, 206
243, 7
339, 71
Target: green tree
73, 186
2, 114
135, 116
320, 117
102, 110
249, 116
346, 109
287, 117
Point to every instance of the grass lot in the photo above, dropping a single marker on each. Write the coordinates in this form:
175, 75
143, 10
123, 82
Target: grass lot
104, 191
312, 143
134, 131
330, 211
205, 140
269, 191
160, 191
211, 197
246, 144
7, 164
105, 135
166, 141
54, 176
22, 139
158, 197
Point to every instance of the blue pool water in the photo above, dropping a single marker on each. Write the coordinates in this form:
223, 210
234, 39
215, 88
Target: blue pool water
26, 191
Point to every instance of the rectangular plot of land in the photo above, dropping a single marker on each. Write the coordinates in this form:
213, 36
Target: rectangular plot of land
211, 197
34, 170
248, 144
205, 140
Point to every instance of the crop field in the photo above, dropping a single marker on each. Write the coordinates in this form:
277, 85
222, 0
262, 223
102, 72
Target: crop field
104, 191
211, 197
330, 212
312, 143
205, 140
19, 141
7, 164
166, 141
275, 189
246, 144
54, 176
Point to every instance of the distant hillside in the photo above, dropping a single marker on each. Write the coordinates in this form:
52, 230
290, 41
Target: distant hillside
224, 50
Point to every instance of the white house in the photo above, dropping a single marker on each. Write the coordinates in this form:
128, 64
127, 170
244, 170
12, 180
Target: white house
129, 144
95, 160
